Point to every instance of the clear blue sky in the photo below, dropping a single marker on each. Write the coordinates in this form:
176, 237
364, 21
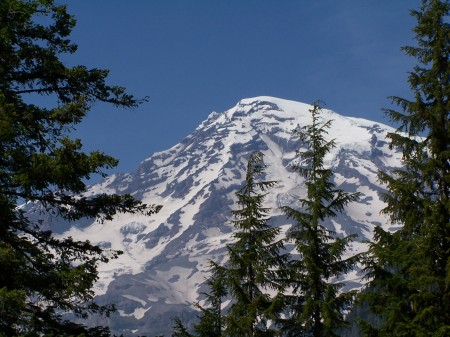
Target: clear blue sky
192, 57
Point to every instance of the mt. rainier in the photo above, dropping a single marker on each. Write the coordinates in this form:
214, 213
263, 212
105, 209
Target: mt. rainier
165, 260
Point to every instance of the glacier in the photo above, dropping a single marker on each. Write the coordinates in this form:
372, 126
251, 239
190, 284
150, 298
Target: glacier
165, 260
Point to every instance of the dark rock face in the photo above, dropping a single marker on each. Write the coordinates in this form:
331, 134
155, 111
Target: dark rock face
165, 260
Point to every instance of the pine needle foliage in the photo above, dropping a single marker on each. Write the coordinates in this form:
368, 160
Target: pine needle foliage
255, 259
179, 329
211, 320
43, 276
254, 267
316, 306
410, 269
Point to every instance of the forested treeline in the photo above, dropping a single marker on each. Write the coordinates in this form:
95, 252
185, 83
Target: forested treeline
273, 293
42, 276
408, 272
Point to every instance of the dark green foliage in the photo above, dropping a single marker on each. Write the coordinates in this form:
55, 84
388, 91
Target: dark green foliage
43, 276
255, 259
211, 321
254, 267
410, 269
316, 307
179, 330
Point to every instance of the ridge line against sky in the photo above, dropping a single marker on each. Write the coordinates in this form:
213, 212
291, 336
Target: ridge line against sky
198, 56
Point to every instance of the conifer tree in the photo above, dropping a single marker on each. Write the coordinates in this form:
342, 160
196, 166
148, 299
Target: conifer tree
179, 329
42, 276
254, 266
255, 258
316, 307
211, 321
410, 269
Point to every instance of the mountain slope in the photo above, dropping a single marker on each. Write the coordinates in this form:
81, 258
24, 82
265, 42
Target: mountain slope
165, 258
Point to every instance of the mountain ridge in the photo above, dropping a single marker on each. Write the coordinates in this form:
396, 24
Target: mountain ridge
165, 260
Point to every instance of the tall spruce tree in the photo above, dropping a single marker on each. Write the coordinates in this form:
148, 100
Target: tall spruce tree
179, 329
43, 276
255, 258
211, 322
410, 269
316, 306
254, 266
211, 319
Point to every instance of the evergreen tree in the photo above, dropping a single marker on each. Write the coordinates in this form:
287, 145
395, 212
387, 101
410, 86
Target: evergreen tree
410, 269
211, 320
255, 258
316, 307
179, 329
43, 276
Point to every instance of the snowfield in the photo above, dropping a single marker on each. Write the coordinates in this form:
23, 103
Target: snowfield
165, 260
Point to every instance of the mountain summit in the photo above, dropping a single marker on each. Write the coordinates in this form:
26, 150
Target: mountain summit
165, 258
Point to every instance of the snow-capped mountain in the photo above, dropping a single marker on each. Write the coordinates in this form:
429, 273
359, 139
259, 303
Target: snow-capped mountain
165, 260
